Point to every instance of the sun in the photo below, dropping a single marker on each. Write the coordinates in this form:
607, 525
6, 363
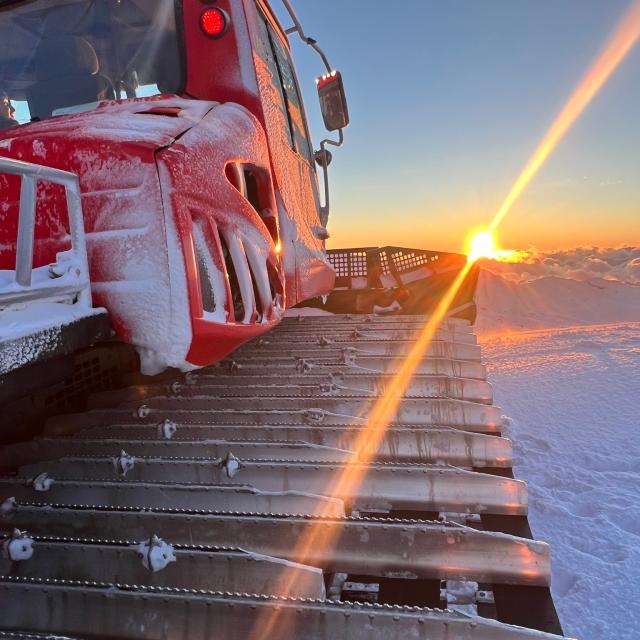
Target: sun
482, 245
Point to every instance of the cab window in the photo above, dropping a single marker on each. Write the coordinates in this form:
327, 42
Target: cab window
58, 57
266, 54
275, 54
294, 103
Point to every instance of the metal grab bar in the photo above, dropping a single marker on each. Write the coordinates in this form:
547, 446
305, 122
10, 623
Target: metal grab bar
297, 28
30, 175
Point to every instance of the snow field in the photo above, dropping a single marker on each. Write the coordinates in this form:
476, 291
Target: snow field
572, 397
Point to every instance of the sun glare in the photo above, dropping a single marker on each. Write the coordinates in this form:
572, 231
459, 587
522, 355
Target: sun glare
482, 245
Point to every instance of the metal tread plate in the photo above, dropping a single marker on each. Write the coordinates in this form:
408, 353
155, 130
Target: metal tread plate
190, 614
377, 486
309, 386
373, 546
174, 495
13, 456
350, 362
425, 445
384, 348
180, 566
339, 335
273, 411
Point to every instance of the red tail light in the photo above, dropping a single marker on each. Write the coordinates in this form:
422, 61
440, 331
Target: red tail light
214, 22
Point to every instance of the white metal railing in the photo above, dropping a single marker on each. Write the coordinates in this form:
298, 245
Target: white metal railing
68, 279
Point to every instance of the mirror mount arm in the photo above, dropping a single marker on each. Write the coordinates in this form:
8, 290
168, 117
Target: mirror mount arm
324, 209
297, 28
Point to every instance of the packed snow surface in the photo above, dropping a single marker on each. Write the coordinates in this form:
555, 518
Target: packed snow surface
571, 389
551, 301
306, 311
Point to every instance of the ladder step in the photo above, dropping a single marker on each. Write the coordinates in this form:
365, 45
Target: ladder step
32, 635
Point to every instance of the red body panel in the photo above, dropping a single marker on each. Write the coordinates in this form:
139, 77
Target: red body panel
150, 170
248, 81
192, 173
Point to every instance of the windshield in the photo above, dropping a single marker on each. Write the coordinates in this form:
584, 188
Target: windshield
60, 56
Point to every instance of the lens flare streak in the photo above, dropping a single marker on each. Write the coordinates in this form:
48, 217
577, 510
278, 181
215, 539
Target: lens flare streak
624, 38
622, 41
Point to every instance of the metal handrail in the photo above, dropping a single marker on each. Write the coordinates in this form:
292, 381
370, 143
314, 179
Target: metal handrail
30, 175
297, 28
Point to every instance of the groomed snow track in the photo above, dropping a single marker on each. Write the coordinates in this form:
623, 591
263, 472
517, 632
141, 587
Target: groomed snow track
194, 506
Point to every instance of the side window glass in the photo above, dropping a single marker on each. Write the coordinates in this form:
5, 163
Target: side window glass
294, 103
265, 52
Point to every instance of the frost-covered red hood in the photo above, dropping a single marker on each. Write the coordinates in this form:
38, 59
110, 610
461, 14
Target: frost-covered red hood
144, 124
148, 171
112, 149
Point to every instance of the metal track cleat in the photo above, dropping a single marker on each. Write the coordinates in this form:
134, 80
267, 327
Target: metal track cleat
156, 554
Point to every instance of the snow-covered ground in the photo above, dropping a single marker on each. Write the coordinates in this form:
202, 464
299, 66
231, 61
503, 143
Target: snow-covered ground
572, 396
553, 301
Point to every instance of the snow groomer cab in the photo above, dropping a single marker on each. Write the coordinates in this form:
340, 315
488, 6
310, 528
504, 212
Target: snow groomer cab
178, 128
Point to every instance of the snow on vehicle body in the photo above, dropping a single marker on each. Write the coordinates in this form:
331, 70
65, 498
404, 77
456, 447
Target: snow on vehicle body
201, 205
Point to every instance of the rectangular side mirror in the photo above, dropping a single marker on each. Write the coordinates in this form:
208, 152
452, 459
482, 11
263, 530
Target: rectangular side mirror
333, 102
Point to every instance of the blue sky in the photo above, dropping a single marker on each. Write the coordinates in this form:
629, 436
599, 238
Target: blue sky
447, 101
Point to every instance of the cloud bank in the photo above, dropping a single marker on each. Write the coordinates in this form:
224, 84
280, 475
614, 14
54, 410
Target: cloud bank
581, 263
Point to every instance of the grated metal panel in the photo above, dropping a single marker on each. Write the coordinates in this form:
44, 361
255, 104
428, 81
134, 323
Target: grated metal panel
349, 263
353, 263
408, 260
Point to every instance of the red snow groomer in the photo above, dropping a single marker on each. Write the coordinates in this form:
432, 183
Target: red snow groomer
157, 178
155, 160
184, 125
